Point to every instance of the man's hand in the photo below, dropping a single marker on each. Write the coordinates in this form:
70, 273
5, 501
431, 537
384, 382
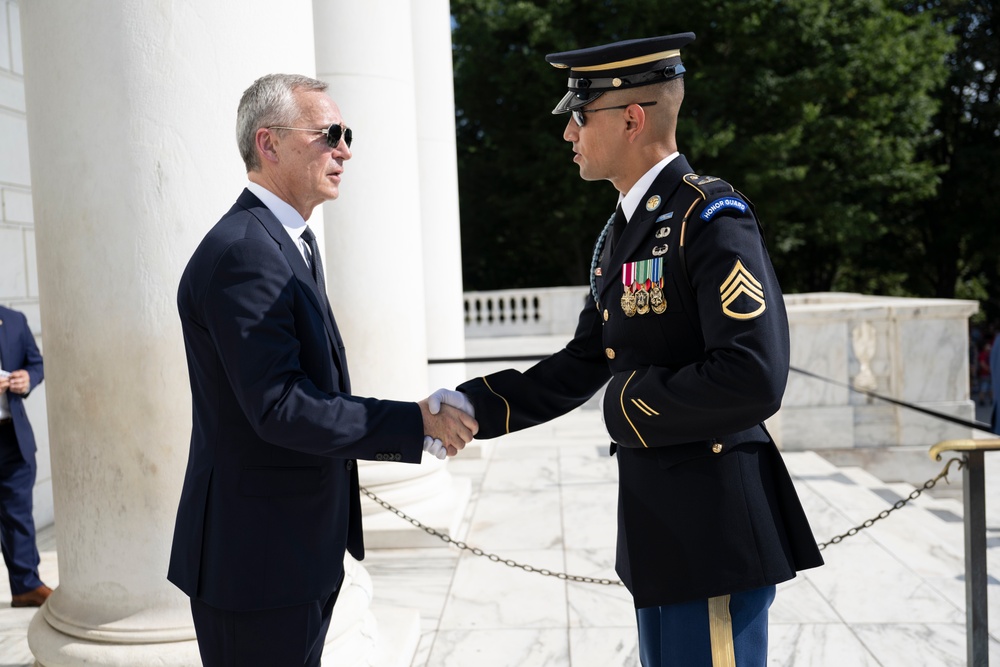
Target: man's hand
20, 382
451, 426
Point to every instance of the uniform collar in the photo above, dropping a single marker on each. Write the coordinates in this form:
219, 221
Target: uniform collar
630, 201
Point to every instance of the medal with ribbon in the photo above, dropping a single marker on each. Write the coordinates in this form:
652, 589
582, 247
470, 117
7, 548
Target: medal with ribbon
628, 298
643, 271
657, 301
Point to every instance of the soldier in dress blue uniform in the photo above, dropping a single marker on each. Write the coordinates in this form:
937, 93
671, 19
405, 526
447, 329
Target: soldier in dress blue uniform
688, 324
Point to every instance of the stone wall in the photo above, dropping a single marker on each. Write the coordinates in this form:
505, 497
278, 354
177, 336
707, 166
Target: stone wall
18, 268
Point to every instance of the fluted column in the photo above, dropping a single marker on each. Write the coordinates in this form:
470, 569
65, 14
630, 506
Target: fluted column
131, 115
374, 246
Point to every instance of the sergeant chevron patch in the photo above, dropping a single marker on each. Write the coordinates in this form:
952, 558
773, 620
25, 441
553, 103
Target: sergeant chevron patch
741, 294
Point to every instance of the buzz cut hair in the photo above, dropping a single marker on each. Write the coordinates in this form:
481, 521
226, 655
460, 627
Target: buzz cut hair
269, 101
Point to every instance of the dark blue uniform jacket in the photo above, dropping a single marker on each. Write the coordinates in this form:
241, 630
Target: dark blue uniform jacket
706, 506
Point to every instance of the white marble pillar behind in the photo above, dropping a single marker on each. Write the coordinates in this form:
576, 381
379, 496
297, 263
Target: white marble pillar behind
131, 115
438, 172
374, 247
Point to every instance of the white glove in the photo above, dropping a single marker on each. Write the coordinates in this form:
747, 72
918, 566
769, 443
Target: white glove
435, 447
455, 399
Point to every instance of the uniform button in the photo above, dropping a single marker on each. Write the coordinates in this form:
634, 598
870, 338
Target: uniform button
606, 315
610, 353
350, 464
717, 448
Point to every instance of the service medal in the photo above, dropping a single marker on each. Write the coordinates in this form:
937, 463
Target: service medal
657, 300
628, 302
641, 301
643, 271
628, 298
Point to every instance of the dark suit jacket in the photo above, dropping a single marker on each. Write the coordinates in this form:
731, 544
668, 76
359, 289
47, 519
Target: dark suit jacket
18, 351
706, 506
270, 499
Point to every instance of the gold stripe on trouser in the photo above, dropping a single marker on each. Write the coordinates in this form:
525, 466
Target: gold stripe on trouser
720, 629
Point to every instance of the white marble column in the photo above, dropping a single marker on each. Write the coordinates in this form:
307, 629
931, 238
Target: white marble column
131, 115
438, 172
374, 247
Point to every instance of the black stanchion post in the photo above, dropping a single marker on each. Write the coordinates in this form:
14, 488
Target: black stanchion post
974, 491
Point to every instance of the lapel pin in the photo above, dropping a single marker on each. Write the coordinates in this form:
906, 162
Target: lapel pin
653, 203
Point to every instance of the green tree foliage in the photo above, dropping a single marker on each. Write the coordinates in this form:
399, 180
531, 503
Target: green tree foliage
955, 237
819, 111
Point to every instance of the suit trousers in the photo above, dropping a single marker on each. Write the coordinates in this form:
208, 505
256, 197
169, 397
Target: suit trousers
17, 525
288, 636
724, 631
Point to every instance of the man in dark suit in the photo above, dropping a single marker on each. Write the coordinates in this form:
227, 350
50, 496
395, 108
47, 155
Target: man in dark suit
688, 323
20, 372
270, 501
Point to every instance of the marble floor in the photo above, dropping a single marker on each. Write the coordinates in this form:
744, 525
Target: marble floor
890, 596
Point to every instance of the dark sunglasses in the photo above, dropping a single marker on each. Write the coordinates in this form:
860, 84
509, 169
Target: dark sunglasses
334, 133
581, 119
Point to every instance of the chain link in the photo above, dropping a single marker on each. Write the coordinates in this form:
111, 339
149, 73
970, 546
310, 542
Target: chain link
476, 551
929, 484
444, 537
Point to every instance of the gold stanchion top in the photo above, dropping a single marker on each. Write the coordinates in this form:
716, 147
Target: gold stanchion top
966, 445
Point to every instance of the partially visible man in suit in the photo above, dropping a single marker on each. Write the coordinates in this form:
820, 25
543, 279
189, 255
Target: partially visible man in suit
270, 501
20, 372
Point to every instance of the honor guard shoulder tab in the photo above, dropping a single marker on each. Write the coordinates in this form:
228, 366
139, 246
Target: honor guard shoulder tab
718, 195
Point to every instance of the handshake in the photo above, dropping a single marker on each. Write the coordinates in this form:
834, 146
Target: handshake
449, 422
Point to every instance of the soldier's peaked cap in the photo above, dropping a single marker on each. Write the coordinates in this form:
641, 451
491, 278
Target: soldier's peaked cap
634, 62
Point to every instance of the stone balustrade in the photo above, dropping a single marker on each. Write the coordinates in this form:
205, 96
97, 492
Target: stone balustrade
910, 349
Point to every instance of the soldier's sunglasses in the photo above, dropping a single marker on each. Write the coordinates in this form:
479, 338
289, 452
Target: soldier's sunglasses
581, 119
334, 133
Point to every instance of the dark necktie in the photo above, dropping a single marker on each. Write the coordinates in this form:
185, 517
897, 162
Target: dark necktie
315, 263
619, 227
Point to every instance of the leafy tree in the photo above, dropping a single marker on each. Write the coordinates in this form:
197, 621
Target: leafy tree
816, 109
953, 244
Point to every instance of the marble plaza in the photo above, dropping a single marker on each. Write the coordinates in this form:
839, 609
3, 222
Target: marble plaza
891, 596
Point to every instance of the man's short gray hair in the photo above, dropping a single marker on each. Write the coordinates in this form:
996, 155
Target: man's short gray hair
268, 101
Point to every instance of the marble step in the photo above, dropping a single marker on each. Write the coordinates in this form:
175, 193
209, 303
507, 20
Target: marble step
925, 538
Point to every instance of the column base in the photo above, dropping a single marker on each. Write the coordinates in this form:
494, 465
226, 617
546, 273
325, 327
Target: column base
52, 648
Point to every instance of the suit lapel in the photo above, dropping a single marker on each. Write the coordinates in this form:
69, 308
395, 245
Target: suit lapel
640, 228
302, 273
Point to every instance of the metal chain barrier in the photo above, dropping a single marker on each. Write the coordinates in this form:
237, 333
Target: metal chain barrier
444, 537
929, 484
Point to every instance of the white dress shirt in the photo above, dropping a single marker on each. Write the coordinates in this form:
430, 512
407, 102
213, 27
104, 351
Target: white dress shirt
4, 404
630, 201
286, 215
